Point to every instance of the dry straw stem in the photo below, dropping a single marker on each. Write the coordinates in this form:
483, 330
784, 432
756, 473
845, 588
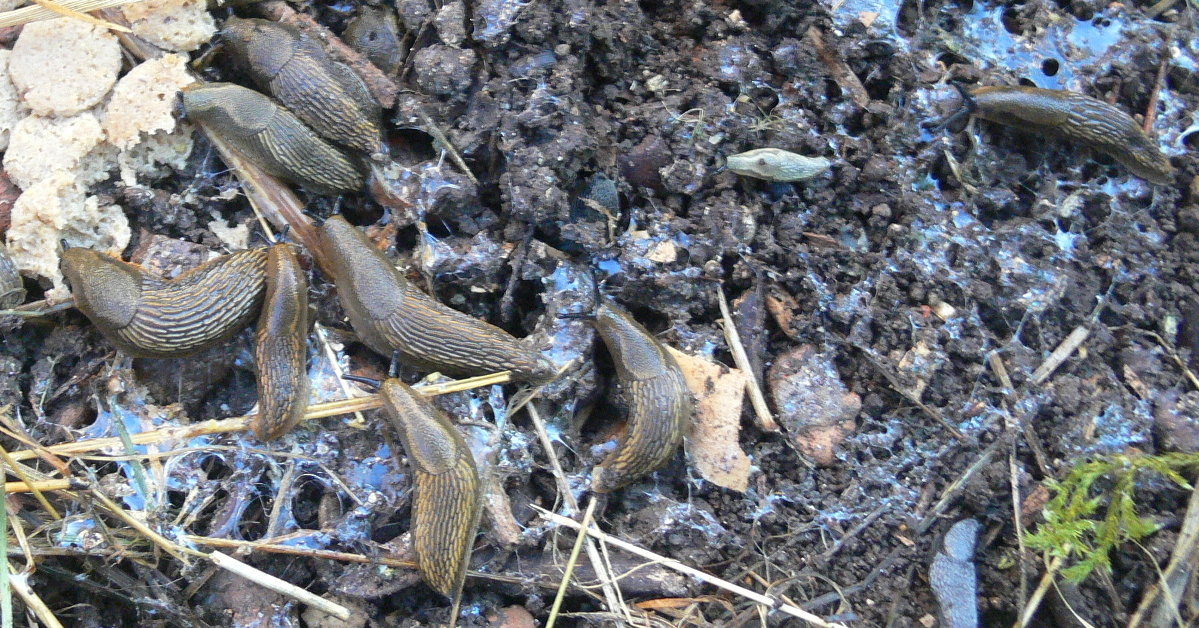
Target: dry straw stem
1061, 354
752, 385
240, 424
286, 588
570, 564
691, 571
1177, 574
20, 583
46, 10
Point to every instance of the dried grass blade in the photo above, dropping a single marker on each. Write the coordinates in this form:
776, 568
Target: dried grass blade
41, 12
280, 586
72, 13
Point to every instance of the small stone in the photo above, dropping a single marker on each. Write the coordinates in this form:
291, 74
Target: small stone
443, 70
451, 24
812, 403
413, 13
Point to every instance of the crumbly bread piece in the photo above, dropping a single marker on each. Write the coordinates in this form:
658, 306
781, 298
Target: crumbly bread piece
11, 107
178, 25
54, 209
64, 66
40, 146
140, 118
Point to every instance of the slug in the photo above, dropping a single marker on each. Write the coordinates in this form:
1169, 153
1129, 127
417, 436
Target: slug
376, 34
1076, 118
12, 289
149, 317
389, 314
447, 501
295, 69
659, 401
773, 164
271, 136
953, 577
281, 346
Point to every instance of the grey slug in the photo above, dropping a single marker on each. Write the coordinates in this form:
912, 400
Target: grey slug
953, 577
775, 164
12, 289
271, 136
659, 402
281, 346
447, 501
389, 314
147, 316
376, 34
297, 71
1076, 118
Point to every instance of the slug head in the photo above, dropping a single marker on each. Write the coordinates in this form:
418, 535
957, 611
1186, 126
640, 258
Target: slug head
262, 45
430, 441
362, 273
106, 289
228, 109
633, 349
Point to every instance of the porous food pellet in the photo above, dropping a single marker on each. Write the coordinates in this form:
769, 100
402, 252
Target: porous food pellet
64, 66
177, 25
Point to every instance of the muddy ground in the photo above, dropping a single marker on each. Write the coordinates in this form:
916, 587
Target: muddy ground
902, 273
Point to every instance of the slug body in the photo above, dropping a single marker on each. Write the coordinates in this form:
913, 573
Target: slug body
376, 34
271, 136
281, 346
149, 317
773, 164
12, 289
952, 576
1076, 118
659, 402
295, 69
389, 314
447, 501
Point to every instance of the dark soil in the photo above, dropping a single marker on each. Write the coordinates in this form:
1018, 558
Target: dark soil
904, 273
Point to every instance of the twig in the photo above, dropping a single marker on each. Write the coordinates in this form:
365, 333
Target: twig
1060, 354
38, 13
18, 469
1034, 602
1158, 84
240, 424
957, 486
20, 584
570, 563
43, 485
840, 70
1179, 570
382, 88
1018, 517
170, 547
279, 586
870, 518
691, 571
438, 135
762, 411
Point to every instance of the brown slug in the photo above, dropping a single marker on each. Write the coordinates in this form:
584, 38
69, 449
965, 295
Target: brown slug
12, 289
271, 136
297, 71
659, 402
376, 34
281, 346
389, 314
1076, 118
447, 500
150, 317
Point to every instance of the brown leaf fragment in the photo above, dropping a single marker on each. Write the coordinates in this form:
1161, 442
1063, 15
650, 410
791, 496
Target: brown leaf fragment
712, 443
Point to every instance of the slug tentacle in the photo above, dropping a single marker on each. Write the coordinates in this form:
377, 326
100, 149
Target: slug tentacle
447, 503
281, 346
389, 314
147, 316
660, 404
1076, 118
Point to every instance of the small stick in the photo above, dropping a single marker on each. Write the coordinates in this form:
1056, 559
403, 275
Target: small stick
691, 571
1060, 354
1018, 517
35, 13
1034, 602
18, 470
42, 485
66, 11
957, 486
762, 411
280, 586
240, 424
570, 563
435, 131
20, 583
382, 88
1158, 84
166, 544
840, 70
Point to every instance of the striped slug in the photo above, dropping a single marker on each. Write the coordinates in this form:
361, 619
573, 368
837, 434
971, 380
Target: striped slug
1076, 118
389, 314
281, 346
447, 501
659, 401
295, 69
271, 136
12, 289
146, 316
